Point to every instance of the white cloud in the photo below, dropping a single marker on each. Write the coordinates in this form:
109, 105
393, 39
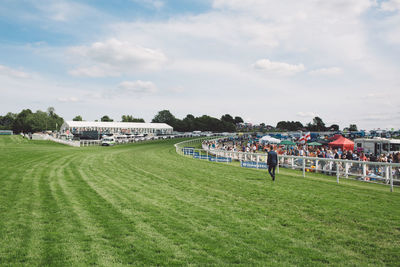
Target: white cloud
71, 99
95, 71
268, 8
213, 51
390, 5
278, 67
177, 89
137, 87
306, 114
157, 4
326, 71
114, 57
376, 95
390, 117
7, 71
63, 11
210, 56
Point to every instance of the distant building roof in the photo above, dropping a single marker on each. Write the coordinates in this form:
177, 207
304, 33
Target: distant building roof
123, 125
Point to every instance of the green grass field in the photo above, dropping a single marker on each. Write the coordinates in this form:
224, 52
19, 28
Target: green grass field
143, 204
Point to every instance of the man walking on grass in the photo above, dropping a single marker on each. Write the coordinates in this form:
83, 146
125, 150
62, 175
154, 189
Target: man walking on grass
272, 161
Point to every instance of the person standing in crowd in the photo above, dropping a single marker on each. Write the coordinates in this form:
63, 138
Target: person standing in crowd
272, 161
349, 155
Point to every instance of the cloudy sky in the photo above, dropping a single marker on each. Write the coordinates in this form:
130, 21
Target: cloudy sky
263, 60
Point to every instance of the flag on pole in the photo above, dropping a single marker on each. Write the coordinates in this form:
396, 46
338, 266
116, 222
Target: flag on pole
305, 137
308, 136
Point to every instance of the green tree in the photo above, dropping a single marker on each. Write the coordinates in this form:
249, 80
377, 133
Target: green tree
228, 118
77, 118
106, 118
289, 125
316, 125
20, 123
353, 128
50, 111
238, 120
53, 121
165, 116
7, 121
130, 118
333, 127
188, 123
38, 121
319, 124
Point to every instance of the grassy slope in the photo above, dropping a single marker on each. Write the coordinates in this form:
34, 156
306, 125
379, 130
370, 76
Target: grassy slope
144, 204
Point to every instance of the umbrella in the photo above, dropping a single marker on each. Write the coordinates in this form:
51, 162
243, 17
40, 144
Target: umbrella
287, 143
271, 140
322, 141
314, 144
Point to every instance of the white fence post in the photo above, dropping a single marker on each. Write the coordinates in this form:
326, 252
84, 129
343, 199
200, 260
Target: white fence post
337, 172
387, 175
257, 161
391, 179
277, 165
364, 169
304, 167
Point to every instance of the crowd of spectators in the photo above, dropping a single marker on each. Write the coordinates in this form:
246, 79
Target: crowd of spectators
250, 145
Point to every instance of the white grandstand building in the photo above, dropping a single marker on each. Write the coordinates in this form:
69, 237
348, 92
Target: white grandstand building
77, 127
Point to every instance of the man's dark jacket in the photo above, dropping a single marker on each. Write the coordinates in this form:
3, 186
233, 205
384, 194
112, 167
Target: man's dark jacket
272, 158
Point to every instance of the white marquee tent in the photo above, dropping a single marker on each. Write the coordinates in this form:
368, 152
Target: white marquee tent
116, 127
270, 140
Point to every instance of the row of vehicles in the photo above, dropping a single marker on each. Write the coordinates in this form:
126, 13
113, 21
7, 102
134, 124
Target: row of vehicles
110, 140
113, 139
377, 145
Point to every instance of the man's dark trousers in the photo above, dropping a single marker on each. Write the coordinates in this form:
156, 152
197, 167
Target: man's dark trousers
271, 170
272, 161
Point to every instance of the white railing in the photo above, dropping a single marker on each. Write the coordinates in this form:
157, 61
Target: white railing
65, 142
374, 172
83, 143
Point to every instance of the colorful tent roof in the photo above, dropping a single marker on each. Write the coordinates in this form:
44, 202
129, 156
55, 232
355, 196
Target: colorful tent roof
343, 143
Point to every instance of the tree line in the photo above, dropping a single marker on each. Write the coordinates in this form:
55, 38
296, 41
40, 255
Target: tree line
317, 125
27, 121
190, 123
124, 118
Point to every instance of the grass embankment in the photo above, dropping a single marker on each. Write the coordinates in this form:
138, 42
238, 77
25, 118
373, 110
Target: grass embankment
143, 204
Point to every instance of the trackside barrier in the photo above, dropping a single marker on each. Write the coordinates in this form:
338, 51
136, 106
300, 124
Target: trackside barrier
65, 142
253, 164
98, 142
197, 156
372, 172
220, 159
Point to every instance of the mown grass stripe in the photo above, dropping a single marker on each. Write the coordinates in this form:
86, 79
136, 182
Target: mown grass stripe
142, 204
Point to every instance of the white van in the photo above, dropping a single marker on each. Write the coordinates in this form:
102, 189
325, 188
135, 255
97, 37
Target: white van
121, 139
108, 141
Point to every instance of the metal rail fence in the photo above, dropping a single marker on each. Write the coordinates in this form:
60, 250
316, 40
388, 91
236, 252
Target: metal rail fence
372, 172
